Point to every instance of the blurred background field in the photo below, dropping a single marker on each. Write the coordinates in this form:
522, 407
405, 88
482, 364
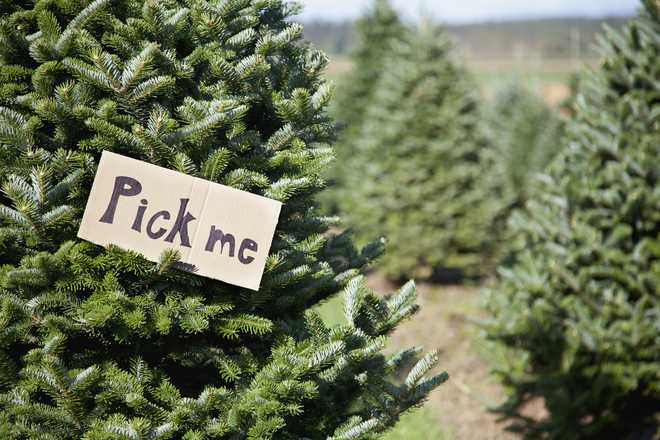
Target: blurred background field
542, 56
548, 78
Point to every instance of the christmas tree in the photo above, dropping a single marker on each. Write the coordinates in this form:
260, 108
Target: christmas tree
525, 133
577, 311
414, 171
378, 30
102, 344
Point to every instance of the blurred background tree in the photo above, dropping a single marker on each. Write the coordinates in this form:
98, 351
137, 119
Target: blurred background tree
578, 310
413, 172
378, 31
525, 133
538, 116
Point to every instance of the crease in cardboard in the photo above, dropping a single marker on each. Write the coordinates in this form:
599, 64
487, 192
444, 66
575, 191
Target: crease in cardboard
206, 187
186, 254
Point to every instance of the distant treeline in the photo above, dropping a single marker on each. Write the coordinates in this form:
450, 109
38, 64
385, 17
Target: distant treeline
546, 38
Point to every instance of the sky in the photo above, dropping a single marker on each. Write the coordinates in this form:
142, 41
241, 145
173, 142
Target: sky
461, 11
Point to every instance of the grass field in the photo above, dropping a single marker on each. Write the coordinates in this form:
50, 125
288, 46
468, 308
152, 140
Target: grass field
419, 424
459, 408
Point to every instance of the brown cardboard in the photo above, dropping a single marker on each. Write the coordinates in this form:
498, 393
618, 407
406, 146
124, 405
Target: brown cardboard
228, 239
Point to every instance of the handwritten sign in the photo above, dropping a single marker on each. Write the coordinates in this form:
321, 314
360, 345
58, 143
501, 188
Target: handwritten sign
221, 232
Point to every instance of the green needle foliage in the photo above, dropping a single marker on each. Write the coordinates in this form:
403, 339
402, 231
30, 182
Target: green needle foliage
525, 133
568, 104
578, 312
378, 31
100, 344
413, 177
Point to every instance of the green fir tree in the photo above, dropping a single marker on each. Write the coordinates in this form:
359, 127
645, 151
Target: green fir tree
378, 30
524, 132
100, 344
413, 176
578, 311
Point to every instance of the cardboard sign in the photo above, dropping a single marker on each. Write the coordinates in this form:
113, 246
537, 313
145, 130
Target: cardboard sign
220, 232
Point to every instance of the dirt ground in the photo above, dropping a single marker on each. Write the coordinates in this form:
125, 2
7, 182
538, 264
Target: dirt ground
445, 322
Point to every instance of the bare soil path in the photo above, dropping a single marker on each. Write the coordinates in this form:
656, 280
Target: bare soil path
446, 322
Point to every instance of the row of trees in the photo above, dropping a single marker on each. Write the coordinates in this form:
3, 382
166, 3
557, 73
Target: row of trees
101, 344
577, 309
570, 211
423, 161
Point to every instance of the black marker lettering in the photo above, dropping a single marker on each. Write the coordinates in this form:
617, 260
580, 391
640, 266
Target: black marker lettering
181, 225
124, 186
217, 235
150, 224
249, 245
137, 223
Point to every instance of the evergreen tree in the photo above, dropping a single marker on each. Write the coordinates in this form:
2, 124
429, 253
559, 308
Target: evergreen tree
524, 132
377, 31
14, 74
578, 311
567, 106
413, 175
100, 344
